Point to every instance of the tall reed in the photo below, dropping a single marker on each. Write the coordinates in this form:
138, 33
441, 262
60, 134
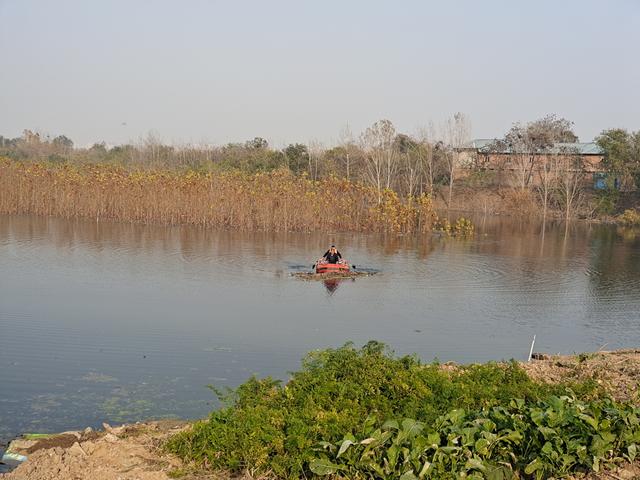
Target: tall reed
275, 201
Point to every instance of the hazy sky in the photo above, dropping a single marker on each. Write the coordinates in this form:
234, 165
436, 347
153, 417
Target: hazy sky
214, 71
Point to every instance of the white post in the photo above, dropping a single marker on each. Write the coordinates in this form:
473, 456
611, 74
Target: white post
531, 350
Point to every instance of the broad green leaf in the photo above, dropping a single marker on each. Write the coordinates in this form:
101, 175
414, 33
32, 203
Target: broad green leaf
385, 436
406, 453
408, 475
487, 425
475, 464
499, 473
369, 423
449, 450
537, 416
632, 450
533, 466
547, 432
411, 427
424, 469
392, 456
513, 436
482, 446
456, 416
590, 420
419, 445
433, 439
321, 466
568, 460
581, 451
345, 445
598, 446
377, 468
391, 425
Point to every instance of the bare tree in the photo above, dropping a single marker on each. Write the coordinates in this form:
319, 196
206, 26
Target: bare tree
519, 147
426, 149
411, 162
380, 155
457, 133
547, 177
347, 142
152, 145
315, 151
526, 144
570, 181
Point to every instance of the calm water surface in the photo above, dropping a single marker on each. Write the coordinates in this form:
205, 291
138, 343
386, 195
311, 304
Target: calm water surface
110, 322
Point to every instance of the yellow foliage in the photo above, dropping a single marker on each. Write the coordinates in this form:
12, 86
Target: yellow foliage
273, 201
630, 218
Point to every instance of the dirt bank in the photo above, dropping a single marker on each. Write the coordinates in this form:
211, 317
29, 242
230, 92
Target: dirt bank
507, 201
129, 452
133, 452
618, 371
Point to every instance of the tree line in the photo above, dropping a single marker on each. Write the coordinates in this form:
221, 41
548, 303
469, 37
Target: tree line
432, 161
380, 156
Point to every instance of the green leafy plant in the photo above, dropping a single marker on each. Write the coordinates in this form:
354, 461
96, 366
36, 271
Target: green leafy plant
269, 427
606, 200
555, 437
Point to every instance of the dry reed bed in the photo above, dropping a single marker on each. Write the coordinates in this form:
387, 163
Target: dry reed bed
275, 201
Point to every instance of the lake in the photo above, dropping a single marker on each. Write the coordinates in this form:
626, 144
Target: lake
114, 322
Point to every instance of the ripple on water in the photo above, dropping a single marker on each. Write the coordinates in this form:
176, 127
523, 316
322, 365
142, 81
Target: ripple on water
500, 275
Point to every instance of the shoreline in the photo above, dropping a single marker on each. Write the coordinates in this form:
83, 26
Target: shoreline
134, 451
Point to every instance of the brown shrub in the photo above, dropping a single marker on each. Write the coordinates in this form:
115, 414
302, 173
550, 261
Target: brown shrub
275, 201
520, 202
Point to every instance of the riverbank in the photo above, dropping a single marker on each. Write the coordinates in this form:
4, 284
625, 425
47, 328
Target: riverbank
127, 452
482, 201
137, 451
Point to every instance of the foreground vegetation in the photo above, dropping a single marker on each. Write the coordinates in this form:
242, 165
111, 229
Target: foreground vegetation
542, 439
365, 413
270, 201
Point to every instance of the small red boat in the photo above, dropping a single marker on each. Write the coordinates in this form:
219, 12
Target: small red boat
322, 266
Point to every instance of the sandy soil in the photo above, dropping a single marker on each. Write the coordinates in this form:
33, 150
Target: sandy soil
133, 452
130, 452
618, 372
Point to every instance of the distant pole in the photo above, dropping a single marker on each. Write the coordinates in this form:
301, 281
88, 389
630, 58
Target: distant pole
531, 350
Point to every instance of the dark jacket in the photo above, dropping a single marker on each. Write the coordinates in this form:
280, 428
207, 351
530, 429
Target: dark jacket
332, 257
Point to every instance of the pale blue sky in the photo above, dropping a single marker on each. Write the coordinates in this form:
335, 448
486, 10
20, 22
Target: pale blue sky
194, 71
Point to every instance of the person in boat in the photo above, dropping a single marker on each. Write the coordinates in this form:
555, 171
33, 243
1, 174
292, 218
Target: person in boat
332, 255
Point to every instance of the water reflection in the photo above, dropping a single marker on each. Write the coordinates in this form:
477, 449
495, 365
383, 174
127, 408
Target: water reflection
116, 322
332, 284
